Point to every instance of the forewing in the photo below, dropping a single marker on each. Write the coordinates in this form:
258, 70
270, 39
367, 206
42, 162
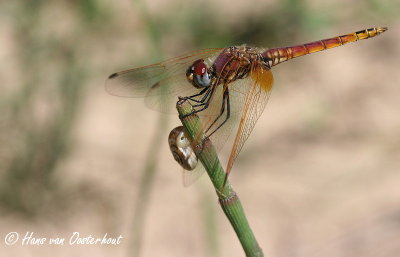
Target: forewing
168, 74
163, 95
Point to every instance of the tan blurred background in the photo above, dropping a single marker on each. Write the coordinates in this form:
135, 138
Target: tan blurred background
319, 176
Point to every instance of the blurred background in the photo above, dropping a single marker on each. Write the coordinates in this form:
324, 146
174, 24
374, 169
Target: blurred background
319, 176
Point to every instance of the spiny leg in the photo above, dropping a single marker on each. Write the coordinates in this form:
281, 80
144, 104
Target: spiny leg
228, 114
225, 100
204, 90
204, 100
204, 104
221, 112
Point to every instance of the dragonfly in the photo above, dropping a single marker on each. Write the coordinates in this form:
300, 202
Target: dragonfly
228, 88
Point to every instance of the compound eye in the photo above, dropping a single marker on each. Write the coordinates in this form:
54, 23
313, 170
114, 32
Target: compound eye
199, 68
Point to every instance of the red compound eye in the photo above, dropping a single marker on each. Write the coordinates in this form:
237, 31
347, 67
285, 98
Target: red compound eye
199, 67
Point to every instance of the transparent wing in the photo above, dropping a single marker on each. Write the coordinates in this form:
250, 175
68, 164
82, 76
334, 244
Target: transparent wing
158, 81
257, 95
219, 105
163, 95
191, 176
248, 98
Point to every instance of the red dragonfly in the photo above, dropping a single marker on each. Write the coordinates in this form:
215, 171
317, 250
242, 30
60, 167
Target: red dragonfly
227, 87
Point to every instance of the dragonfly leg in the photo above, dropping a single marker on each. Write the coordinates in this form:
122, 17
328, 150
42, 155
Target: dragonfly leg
205, 99
203, 105
204, 90
228, 113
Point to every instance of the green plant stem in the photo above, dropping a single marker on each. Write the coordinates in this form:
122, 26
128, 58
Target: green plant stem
145, 187
228, 199
146, 183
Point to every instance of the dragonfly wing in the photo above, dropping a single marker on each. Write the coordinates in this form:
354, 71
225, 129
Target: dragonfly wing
219, 105
191, 176
248, 98
163, 95
257, 93
137, 82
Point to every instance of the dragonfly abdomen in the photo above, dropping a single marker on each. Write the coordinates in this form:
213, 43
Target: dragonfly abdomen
278, 55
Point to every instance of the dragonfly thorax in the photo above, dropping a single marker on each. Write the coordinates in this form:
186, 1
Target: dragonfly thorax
236, 63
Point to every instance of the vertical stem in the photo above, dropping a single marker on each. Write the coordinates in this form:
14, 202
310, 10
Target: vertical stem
145, 186
228, 199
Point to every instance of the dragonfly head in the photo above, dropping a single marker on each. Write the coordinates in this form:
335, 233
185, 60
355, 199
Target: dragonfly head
198, 74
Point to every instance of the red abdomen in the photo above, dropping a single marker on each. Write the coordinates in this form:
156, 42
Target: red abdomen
277, 55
